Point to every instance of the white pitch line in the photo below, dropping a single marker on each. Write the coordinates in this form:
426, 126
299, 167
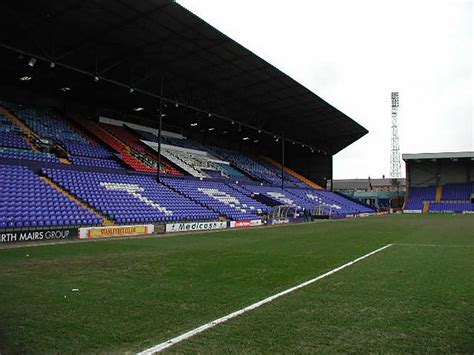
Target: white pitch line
191, 333
434, 245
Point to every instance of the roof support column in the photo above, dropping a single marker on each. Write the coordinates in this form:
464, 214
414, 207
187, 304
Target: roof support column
160, 118
283, 158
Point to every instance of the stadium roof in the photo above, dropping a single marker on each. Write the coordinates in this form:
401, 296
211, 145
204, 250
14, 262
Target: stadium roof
134, 43
446, 155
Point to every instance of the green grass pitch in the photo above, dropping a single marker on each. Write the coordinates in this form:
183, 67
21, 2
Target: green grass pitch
136, 293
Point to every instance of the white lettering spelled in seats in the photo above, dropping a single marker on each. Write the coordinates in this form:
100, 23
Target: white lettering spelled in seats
134, 190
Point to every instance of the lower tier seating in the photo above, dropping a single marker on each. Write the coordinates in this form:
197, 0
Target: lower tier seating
456, 197
417, 196
130, 198
329, 201
219, 197
452, 207
309, 198
28, 201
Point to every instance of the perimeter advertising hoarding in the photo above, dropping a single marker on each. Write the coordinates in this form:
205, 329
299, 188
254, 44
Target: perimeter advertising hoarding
246, 223
194, 226
38, 235
115, 231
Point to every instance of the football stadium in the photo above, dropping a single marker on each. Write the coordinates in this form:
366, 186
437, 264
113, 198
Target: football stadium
164, 189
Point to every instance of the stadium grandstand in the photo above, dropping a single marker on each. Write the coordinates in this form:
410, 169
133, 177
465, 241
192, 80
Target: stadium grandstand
440, 182
116, 133
155, 181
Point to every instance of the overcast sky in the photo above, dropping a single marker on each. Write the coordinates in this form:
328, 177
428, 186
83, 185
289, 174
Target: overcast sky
354, 53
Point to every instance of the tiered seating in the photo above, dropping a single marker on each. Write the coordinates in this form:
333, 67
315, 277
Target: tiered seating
184, 143
417, 195
329, 201
219, 197
458, 192
133, 151
188, 161
452, 207
28, 201
27, 155
277, 194
130, 199
125, 135
11, 135
213, 173
300, 181
193, 163
309, 198
118, 146
47, 124
290, 180
456, 198
102, 163
8, 126
248, 165
232, 172
13, 140
87, 150
148, 136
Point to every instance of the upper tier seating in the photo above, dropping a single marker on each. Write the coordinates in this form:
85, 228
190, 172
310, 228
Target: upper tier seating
247, 164
102, 163
13, 140
89, 150
28, 201
47, 124
417, 195
11, 134
290, 180
118, 146
191, 166
27, 155
125, 135
219, 197
213, 173
133, 151
184, 143
8, 126
148, 136
130, 199
232, 172
458, 192
194, 163
177, 142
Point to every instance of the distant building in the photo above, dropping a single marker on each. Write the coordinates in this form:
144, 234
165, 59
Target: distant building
381, 193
